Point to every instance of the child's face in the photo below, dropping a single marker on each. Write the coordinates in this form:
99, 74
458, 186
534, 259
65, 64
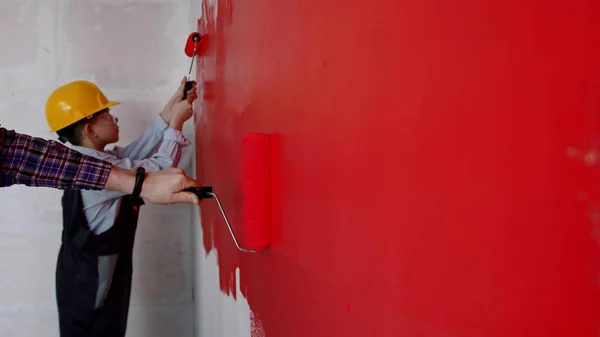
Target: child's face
105, 126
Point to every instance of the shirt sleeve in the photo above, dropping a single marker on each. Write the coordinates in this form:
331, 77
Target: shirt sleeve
167, 155
146, 145
33, 161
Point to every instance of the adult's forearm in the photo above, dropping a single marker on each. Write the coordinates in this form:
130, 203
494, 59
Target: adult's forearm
34, 161
38, 162
163, 187
121, 180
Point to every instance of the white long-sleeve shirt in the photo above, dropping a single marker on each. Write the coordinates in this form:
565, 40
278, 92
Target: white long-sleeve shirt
159, 148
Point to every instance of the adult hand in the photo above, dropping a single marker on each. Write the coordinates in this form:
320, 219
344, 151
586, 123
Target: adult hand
166, 186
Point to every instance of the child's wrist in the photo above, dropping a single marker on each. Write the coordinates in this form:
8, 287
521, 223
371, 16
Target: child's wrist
166, 116
176, 124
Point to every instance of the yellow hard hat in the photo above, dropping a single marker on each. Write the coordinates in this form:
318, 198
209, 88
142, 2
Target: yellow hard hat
73, 102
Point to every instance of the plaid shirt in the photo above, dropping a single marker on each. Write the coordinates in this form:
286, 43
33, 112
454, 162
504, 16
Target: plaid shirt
35, 161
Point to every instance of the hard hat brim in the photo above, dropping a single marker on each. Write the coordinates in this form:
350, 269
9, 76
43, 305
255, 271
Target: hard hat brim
103, 107
111, 103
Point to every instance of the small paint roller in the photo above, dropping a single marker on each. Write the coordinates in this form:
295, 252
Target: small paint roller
256, 193
192, 46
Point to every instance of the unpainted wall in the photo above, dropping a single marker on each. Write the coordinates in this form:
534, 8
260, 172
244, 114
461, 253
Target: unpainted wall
134, 51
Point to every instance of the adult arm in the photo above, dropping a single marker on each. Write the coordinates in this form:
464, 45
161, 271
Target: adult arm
33, 161
162, 188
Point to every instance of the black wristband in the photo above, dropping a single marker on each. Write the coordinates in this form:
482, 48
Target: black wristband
140, 174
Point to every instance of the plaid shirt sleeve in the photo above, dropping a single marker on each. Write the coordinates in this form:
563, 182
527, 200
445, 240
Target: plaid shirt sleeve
35, 161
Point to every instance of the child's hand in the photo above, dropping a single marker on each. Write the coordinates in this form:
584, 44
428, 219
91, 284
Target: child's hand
167, 112
192, 95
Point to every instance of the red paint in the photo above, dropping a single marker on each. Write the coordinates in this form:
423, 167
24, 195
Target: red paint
432, 164
256, 190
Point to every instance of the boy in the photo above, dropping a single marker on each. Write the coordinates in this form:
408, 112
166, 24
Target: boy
93, 274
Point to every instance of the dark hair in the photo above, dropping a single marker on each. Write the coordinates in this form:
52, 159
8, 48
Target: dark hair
73, 132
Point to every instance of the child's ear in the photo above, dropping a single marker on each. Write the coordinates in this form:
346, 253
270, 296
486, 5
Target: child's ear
88, 129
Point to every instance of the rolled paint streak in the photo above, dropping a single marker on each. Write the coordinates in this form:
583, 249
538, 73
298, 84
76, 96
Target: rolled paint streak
210, 13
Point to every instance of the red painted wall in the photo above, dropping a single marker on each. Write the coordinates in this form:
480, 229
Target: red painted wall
438, 171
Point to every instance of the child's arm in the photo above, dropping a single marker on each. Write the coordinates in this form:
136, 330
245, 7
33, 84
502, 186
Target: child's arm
147, 145
166, 156
144, 146
169, 149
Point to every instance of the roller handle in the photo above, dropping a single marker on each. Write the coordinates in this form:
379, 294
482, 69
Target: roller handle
204, 192
188, 86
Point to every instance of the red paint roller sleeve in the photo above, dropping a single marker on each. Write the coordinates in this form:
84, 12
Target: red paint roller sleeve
193, 43
256, 190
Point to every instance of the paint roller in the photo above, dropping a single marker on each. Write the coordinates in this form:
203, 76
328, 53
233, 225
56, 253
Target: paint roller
256, 193
192, 47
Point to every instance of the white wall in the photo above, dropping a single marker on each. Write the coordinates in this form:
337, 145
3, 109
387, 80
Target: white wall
133, 50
